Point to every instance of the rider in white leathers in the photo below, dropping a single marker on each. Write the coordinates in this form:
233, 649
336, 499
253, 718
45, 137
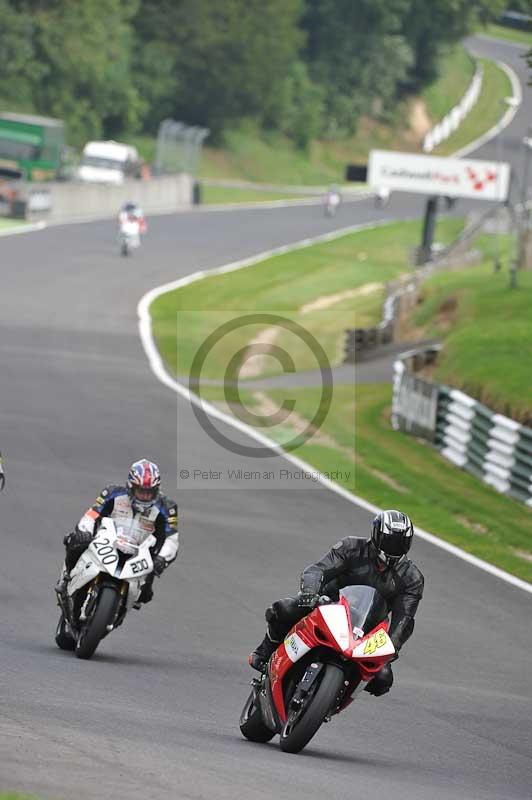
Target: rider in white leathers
141, 499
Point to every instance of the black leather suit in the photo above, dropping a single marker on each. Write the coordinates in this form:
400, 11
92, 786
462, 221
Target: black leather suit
353, 561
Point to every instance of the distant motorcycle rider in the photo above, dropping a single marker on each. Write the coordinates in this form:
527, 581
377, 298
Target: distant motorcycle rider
141, 499
132, 212
379, 562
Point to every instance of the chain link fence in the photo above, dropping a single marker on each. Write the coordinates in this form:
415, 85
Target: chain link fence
178, 148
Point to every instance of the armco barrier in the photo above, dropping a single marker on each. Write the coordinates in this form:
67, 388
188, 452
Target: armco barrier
361, 341
453, 119
402, 294
493, 447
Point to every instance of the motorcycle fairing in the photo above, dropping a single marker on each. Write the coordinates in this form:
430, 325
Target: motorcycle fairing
328, 626
91, 563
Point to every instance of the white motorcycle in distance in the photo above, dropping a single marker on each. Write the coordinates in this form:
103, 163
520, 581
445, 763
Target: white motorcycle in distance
129, 235
332, 202
104, 585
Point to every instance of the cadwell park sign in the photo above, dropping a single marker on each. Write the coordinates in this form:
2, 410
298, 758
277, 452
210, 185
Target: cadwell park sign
432, 175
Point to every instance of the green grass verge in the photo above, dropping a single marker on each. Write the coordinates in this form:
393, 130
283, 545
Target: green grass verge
357, 443
393, 470
486, 338
487, 331
456, 72
485, 113
229, 194
7, 224
15, 796
361, 261
509, 34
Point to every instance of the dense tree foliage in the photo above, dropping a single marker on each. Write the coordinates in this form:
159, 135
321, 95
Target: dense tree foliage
303, 67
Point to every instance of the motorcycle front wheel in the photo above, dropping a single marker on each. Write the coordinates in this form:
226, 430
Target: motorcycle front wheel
95, 628
303, 724
251, 725
63, 639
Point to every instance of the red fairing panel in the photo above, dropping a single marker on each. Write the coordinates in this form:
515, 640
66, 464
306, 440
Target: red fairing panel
329, 626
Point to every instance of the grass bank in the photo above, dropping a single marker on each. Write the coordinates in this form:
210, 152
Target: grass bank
325, 288
9, 224
391, 469
508, 34
487, 331
212, 195
15, 796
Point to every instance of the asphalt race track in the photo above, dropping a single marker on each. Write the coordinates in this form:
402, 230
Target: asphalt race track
155, 713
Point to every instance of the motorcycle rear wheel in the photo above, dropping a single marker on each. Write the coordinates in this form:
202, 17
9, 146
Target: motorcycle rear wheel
95, 628
63, 639
251, 725
298, 733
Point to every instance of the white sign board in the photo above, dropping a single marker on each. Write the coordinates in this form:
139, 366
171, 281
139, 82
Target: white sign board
450, 177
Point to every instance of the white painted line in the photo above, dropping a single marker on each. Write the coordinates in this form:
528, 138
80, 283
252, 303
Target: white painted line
505, 119
159, 370
31, 226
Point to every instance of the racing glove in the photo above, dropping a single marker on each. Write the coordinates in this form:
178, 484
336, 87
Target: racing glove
307, 599
159, 565
77, 539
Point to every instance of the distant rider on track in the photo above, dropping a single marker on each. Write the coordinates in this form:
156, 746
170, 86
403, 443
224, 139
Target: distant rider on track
141, 499
379, 562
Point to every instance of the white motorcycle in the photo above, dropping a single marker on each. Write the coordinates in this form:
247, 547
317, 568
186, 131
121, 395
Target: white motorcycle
104, 585
129, 236
332, 203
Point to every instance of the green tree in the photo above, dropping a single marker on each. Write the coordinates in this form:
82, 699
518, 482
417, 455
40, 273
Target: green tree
18, 68
80, 63
231, 58
356, 51
428, 27
153, 60
301, 105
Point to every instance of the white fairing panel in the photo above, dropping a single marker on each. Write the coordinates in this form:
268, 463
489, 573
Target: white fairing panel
295, 647
102, 556
85, 570
335, 617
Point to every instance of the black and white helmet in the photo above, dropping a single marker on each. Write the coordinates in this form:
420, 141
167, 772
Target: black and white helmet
392, 534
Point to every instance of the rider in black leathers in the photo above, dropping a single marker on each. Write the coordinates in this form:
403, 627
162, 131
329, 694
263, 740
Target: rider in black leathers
379, 562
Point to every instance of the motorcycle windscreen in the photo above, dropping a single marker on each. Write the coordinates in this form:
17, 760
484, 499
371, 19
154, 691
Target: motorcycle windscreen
367, 607
130, 534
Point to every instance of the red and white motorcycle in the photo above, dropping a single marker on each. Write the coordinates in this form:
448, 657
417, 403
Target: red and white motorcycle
105, 583
325, 661
131, 229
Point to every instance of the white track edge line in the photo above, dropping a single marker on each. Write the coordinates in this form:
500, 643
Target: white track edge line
160, 372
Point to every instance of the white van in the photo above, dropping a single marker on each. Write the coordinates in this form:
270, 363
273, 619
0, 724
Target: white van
108, 162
